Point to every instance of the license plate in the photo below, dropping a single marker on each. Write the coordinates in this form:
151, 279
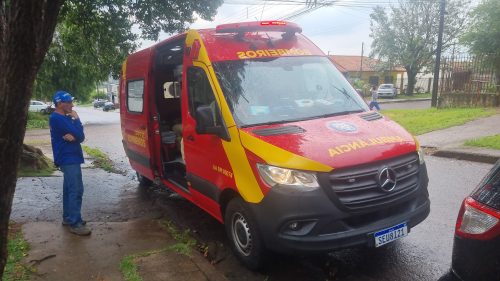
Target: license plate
390, 234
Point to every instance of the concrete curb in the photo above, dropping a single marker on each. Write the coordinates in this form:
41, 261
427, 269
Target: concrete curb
402, 100
465, 155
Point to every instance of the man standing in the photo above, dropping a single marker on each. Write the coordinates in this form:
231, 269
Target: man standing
66, 132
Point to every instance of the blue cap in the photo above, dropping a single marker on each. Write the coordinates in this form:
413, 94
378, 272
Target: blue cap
62, 96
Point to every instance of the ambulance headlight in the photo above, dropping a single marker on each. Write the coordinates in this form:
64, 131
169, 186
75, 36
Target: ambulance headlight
421, 159
420, 151
273, 176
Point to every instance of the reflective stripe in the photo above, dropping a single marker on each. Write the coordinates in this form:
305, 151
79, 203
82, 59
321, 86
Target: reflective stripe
279, 157
243, 175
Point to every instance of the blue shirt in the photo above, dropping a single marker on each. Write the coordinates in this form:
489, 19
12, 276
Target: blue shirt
66, 152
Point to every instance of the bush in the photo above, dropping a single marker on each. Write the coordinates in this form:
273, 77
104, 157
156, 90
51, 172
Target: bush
37, 120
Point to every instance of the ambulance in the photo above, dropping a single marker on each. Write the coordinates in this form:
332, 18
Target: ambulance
253, 123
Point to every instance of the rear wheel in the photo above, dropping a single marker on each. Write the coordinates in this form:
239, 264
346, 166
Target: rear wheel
143, 180
243, 233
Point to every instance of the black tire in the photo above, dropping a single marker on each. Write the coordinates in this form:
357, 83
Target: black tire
143, 180
244, 236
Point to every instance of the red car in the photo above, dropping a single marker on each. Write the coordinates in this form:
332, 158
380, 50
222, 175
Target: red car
476, 248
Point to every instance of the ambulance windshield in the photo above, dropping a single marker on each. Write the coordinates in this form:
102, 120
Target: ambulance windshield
285, 89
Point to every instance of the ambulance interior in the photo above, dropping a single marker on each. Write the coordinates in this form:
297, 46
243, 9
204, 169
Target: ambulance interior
167, 75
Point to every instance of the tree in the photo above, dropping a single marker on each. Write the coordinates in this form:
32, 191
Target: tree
26, 30
483, 35
408, 35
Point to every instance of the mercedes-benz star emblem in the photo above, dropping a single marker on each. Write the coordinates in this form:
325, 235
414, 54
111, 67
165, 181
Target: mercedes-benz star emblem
387, 179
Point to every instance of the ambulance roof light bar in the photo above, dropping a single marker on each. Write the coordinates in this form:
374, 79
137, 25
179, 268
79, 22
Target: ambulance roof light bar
289, 28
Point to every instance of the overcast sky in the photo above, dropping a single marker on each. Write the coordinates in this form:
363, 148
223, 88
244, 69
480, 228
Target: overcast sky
338, 29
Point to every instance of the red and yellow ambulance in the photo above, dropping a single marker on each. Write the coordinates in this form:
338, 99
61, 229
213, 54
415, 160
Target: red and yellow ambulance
253, 123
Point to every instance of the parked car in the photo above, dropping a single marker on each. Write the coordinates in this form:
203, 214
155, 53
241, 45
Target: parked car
476, 247
99, 103
387, 91
38, 106
108, 106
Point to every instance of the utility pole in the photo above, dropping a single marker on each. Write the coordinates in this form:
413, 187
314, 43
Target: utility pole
361, 65
438, 54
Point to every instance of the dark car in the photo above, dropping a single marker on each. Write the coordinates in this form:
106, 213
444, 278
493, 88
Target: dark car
108, 106
476, 248
99, 103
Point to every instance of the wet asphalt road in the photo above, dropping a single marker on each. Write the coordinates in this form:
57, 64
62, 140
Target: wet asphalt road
424, 255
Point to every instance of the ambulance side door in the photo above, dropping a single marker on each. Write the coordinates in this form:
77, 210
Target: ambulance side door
134, 111
204, 154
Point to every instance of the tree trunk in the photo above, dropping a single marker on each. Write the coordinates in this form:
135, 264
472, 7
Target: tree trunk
26, 29
412, 80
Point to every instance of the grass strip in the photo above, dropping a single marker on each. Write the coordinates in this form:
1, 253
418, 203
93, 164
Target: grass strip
101, 160
17, 248
28, 172
420, 121
184, 240
129, 269
492, 142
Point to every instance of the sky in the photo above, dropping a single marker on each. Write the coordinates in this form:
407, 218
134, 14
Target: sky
338, 29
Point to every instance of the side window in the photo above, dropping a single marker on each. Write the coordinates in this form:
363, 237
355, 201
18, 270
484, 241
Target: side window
135, 95
199, 90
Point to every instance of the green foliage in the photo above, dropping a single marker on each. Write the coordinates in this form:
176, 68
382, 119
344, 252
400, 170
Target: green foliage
420, 121
98, 95
37, 120
184, 240
407, 36
483, 35
27, 172
14, 269
101, 160
129, 269
492, 142
93, 38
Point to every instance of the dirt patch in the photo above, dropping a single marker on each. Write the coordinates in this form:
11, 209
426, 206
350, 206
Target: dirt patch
90, 258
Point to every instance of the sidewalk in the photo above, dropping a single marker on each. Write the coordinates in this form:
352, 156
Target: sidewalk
59, 255
449, 142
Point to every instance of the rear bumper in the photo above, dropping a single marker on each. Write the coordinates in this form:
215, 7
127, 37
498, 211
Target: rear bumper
326, 226
476, 259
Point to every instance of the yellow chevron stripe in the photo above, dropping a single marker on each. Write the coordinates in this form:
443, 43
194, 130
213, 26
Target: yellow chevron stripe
279, 157
243, 175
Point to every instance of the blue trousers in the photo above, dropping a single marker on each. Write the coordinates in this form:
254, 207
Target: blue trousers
72, 194
374, 104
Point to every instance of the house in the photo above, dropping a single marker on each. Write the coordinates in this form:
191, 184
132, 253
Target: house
367, 69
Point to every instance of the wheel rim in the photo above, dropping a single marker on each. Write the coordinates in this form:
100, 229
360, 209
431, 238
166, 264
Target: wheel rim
242, 237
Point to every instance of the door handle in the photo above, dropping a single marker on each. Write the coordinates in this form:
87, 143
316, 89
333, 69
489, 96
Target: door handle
190, 138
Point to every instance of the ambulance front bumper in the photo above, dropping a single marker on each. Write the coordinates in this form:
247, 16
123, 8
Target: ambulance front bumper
292, 221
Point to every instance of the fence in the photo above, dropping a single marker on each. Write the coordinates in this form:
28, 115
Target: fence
468, 75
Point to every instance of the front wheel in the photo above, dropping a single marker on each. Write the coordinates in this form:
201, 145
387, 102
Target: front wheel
244, 235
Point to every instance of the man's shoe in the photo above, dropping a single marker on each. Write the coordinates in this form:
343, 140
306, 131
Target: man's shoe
65, 223
80, 230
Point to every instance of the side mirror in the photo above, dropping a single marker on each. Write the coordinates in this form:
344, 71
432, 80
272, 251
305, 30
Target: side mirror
205, 123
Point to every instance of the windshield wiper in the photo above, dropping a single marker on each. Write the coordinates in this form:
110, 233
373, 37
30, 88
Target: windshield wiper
345, 112
304, 118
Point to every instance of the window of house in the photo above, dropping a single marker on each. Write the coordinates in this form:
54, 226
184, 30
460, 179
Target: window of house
374, 80
135, 95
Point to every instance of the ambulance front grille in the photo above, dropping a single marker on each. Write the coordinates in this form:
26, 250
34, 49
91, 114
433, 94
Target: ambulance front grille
357, 188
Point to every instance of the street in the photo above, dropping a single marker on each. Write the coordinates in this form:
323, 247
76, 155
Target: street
424, 255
